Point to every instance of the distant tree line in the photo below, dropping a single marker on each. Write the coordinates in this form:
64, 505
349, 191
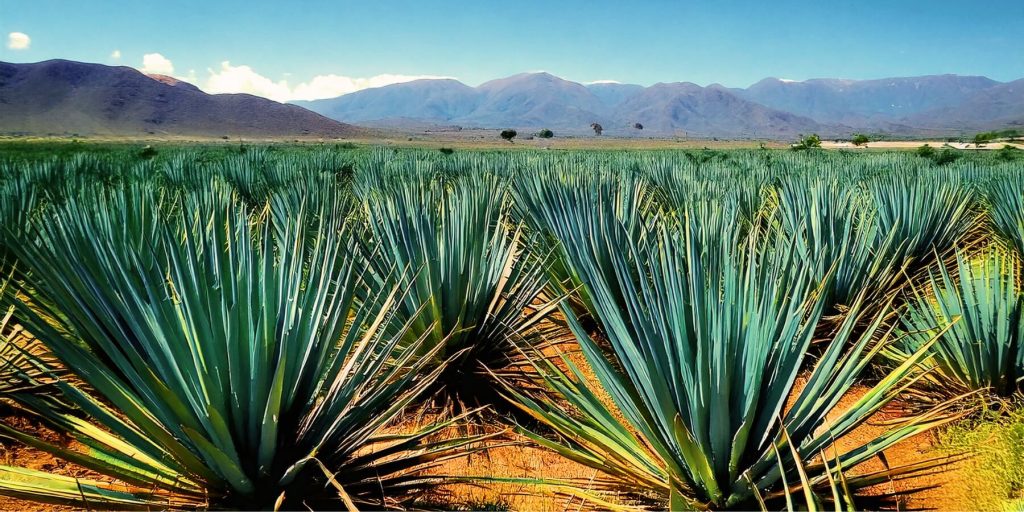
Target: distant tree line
986, 137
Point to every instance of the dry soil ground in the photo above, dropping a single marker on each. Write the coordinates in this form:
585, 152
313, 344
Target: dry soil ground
954, 488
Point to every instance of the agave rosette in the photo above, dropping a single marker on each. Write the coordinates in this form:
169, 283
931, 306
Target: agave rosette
474, 288
223, 360
709, 331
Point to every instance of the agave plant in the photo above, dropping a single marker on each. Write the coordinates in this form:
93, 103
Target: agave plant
928, 215
680, 188
709, 332
835, 233
633, 201
1006, 208
976, 315
18, 200
218, 360
474, 286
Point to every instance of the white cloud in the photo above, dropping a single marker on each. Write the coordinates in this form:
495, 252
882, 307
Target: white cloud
115, 55
603, 82
330, 86
244, 79
156, 64
232, 79
18, 41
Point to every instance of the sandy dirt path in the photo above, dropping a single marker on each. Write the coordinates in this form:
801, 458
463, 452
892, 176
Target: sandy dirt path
896, 144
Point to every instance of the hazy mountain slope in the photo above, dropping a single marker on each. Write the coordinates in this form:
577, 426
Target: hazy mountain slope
613, 94
63, 97
864, 101
536, 100
541, 100
686, 108
528, 101
437, 100
1001, 106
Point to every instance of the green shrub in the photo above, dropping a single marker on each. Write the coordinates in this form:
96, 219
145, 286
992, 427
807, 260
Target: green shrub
545, 134
946, 156
1008, 153
985, 137
809, 142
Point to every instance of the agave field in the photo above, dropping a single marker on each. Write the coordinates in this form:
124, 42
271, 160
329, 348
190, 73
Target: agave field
329, 329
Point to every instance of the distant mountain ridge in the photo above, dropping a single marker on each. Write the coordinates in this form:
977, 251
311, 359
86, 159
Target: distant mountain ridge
541, 100
772, 108
861, 102
999, 106
60, 97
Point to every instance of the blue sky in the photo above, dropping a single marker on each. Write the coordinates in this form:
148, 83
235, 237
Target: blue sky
276, 47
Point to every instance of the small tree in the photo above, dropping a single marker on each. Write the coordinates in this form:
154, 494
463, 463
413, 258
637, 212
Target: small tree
946, 156
545, 134
638, 126
508, 134
860, 139
597, 128
926, 151
809, 142
1008, 153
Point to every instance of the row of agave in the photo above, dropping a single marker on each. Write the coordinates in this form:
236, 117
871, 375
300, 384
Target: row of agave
250, 334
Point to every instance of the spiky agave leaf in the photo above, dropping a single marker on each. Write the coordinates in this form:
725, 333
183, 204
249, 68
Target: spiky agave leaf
1006, 208
474, 285
18, 202
682, 185
977, 315
633, 198
20, 354
835, 233
227, 361
927, 216
708, 338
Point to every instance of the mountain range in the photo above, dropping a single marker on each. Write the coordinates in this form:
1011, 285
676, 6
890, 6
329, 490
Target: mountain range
61, 97
772, 108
